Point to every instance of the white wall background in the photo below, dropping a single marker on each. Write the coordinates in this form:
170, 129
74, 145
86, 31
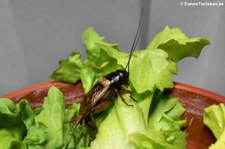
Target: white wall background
35, 34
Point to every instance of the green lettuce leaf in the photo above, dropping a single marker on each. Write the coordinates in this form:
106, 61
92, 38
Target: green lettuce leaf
99, 62
214, 118
156, 140
69, 69
47, 131
164, 125
165, 116
154, 68
95, 43
14, 118
163, 129
52, 127
115, 125
177, 44
47, 127
153, 121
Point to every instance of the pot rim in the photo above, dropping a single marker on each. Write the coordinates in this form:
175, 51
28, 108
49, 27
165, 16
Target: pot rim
177, 86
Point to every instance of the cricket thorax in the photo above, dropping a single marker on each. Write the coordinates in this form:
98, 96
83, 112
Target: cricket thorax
118, 78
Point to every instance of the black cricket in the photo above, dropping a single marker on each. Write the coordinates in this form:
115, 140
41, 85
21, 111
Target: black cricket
100, 96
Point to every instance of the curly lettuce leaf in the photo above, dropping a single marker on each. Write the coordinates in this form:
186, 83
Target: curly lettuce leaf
177, 44
14, 119
155, 140
160, 67
70, 69
47, 127
47, 131
154, 68
214, 118
115, 125
152, 121
164, 130
99, 62
94, 43
165, 115
118, 129
52, 126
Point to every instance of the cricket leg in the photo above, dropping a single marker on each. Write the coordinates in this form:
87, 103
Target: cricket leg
94, 127
102, 106
76, 122
127, 92
117, 92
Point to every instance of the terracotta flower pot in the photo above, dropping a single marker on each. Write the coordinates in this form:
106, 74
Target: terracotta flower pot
193, 99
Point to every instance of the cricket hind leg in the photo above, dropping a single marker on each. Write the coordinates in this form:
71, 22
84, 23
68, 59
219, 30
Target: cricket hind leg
87, 121
96, 110
94, 113
77, 120
93, 127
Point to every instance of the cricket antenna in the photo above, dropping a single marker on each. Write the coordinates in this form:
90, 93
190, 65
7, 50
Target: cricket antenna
138, 33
